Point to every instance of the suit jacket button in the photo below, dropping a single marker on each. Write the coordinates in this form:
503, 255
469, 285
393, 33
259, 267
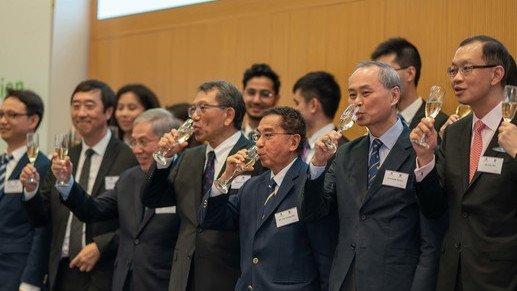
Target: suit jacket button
465, 215
255, 261
250, 288
352, 246
363, 217
457, 245
137, 241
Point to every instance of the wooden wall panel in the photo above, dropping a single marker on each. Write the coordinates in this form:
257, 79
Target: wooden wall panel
173, 51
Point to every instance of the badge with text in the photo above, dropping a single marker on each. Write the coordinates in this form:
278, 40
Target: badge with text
286, 217
13, 186
110, 182
165, 210
491, 165
239, 181
395, 179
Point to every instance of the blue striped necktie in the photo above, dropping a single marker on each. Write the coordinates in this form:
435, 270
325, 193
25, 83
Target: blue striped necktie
3, 166
270, 196
374, 160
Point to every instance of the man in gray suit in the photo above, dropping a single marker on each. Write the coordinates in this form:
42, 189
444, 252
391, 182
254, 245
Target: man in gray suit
371, 182
203, 259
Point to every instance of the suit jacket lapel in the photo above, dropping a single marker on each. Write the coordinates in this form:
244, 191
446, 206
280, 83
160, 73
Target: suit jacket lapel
359, 169
462, 149
19, 166
107, 160
420, 113
74, 154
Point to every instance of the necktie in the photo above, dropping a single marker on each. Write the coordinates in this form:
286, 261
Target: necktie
403, 120
373, 160
270, 192
476, 148
208, 174
76, 228
4, 160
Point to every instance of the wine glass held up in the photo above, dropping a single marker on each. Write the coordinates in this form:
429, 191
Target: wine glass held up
346, 121
432, 108
32, 151
251, 157
61, 143
183, 133
509, 107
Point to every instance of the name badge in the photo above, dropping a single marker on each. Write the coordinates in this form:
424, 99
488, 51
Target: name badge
395, 179
491, 165
239, 181
286, 217
13, 187
165, 210
110, 181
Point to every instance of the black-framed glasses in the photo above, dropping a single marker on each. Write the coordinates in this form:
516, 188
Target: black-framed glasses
267, 135
11, 114
139, 142
202, 108
264, 93
466, 69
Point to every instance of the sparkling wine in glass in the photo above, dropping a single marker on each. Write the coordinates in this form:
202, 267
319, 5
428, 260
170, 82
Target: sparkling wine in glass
251, 158
61, 142
346, 121
432, 108
463, 110
509, 107
32, 150
182, 134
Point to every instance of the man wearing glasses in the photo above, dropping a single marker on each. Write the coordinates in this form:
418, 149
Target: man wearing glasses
404, 57
278, 251
203, 259
467, 177
261, 88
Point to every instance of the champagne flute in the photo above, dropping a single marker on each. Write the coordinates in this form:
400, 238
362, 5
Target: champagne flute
61, 146
432, 108
346, 121
32, 150
251, 158
183, 134
463, 110
509, 107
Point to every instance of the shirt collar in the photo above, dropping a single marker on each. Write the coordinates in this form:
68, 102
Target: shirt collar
322, 131
492, 118
411, 110
100, 147
223, 149
18, 154
281, 175
390, 137
247, 129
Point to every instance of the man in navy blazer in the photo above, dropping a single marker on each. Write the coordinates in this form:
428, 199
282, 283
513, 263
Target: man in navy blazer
278, 252
23, 249
382, 244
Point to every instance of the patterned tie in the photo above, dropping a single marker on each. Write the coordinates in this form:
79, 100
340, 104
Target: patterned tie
374, 160
476, 148
4, 160
76, 228
208, 174
270, 197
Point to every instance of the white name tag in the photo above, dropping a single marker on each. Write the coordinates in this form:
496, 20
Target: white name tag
110, 181
13, 187
165, 210
395, 179
286, 217
239, 181
491, 165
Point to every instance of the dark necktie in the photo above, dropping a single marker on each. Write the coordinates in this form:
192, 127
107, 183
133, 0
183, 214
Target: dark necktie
4, 160
76, 228
270, 195
208, 174
373, 160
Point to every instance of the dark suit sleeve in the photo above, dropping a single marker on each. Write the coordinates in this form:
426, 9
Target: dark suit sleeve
157, 190
90, 209
38, 207
440, 120
221, 212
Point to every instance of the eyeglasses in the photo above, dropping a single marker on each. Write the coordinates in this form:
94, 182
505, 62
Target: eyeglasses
140, 142
202, 108
466, 69
401, 68
11, 114
267, 135
262, 93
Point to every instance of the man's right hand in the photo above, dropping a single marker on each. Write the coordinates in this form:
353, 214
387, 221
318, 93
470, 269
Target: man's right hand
62, 169
27, 172
425, 127
168, 145
233, 161
322, 153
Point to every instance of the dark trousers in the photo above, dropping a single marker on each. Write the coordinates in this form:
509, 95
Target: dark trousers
72, 279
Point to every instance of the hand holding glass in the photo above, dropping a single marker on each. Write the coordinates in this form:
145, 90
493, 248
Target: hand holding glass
32, 150
509, 107
432, 108
182, 135
61, 146
346, 121
251, 157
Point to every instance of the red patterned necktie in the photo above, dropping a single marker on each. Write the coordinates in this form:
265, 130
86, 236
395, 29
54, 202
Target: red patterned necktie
476, 148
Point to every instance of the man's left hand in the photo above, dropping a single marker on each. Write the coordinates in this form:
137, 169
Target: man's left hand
87, 258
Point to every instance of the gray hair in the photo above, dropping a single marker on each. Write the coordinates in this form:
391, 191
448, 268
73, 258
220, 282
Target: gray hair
162, 121
227, 95
387, 75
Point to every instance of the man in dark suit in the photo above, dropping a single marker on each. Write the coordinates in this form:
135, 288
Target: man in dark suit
146, 236
317, 96
203, 259
23, 249
82, 256
278, 252
381, 242
404, 58
467, 177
